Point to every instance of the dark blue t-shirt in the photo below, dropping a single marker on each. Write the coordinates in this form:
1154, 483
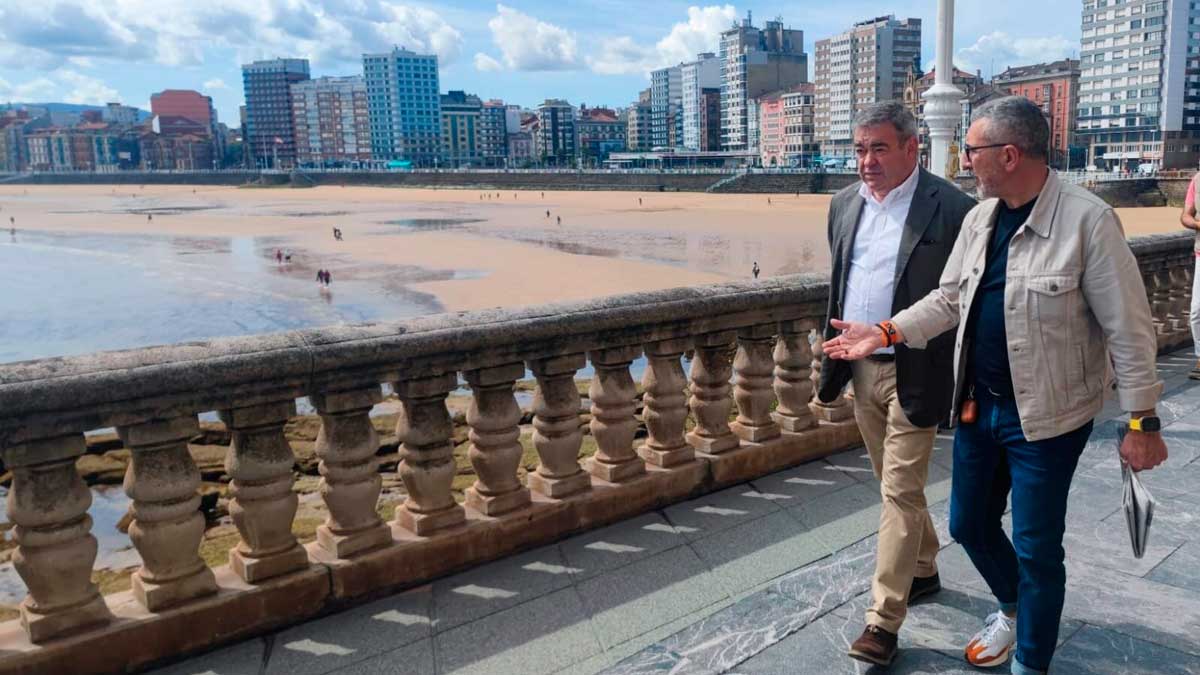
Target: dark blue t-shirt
985, 323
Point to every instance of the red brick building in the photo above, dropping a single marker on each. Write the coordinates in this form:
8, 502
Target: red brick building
185, 103
1054, 87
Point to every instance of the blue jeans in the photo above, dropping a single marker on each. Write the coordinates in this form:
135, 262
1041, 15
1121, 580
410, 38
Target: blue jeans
992, 457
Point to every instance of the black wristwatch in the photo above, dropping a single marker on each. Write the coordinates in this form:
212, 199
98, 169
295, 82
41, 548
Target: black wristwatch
1149, 424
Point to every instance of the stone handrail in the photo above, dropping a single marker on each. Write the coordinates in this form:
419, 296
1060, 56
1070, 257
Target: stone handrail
153, 397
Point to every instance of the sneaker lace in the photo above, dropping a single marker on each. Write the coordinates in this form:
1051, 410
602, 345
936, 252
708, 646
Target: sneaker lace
993, 625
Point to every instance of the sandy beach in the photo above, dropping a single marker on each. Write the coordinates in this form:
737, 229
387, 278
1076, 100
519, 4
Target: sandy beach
505, 250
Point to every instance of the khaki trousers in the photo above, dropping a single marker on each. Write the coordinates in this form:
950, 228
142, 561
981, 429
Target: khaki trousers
899, 454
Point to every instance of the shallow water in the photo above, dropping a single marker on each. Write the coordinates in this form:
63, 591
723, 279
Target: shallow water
66, 293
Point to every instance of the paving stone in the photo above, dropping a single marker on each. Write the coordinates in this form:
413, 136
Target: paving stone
542, 636
832, 581
613, 547
803, 483
348, 637
955, 567
821, 648
743, 558
649, 593
1141, 608
649, 640
844, 517
499, 585
719, 511
1106, 543
1181, 569
653, 659
413, 659
737, 633
245, 658
1095, 651
854, 462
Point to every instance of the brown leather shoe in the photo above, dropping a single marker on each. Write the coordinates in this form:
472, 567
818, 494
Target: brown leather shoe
875, 645
923, 586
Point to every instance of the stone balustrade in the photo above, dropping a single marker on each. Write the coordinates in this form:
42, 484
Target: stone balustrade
748, 396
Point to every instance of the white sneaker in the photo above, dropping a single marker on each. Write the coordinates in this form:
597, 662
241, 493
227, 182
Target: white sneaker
992, 646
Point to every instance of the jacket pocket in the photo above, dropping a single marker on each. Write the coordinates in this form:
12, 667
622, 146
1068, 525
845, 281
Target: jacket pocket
1052, 299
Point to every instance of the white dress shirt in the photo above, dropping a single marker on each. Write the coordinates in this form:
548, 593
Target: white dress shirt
870, 285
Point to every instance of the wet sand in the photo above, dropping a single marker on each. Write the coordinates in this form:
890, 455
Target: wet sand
505, 250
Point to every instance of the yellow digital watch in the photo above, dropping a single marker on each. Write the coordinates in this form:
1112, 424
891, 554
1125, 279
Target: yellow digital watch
1149, 424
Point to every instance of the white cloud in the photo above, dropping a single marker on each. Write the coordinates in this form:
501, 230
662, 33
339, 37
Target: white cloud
83, 89
486, 64
995, 51
215, 83
700, 33
529, 44
63, 85
623, 56
332, 33
34, 91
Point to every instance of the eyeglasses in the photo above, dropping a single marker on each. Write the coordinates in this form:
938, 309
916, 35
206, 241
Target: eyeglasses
968, 149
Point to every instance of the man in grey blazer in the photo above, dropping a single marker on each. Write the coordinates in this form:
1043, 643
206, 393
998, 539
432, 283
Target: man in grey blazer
890, 236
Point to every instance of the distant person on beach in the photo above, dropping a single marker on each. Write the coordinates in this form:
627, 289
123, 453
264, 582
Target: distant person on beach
768, 201
320, 276
287, 257
559, 219
543, 195
547, 213
639, 201
328, 278
755, 269
149, 217
278, 256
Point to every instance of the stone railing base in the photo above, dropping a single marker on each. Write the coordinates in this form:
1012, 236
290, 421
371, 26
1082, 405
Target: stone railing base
138, 638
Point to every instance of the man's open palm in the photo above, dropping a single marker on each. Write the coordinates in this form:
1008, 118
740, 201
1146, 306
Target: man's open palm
856, 341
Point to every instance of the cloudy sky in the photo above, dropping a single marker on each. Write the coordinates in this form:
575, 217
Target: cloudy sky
593, 51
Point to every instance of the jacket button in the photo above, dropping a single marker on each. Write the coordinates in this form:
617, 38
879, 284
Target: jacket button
975, 271
1054, 287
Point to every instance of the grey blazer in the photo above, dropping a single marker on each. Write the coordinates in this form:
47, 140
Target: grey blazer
924, 377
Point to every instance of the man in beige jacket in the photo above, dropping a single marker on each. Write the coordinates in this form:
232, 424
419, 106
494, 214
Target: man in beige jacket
1045, 292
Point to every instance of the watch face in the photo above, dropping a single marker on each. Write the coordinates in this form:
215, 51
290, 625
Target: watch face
1151, 424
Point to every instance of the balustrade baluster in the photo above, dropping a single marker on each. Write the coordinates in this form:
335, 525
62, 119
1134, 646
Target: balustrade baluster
556, 427
1162, 295
840, 409
753, 370
665, 410
427, 455
710, 400
48, 505
496, 449
1150, 281
1179, 286
262, 504
167, 527
614, 401
793, 376
350, 480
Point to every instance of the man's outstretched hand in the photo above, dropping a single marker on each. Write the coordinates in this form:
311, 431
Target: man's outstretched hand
855, 341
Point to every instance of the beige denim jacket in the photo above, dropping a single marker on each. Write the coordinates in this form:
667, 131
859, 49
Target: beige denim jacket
1074, 300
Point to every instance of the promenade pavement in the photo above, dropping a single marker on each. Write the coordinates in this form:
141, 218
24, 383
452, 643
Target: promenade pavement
773, 576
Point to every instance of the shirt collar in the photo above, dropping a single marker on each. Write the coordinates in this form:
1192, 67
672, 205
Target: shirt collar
902, 192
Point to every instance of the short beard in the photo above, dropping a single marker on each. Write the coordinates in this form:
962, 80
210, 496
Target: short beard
980, 191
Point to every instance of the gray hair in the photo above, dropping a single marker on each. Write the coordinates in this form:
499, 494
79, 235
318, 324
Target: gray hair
1016, 120
888, 112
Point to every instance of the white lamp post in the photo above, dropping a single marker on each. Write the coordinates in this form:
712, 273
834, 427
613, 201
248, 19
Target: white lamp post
943, 109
